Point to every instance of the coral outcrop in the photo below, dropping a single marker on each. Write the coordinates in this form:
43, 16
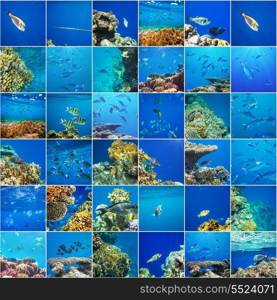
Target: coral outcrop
108, 131
105, 33
20, 268
14, 75
174, 264
216, 85
145, 273
201, 122
24, 129
194, 39
196, 175
213, 225
209, 269
162, 37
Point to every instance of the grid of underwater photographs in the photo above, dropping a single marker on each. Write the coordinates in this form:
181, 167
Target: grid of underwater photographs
138, 139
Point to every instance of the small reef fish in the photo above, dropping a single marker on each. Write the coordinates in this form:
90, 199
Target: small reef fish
203, 213
73, 110
67, 123
216, 30
79, 121
251, 22
15, 160
205, 163
247, 72
154, 258
260, 257
121, 207
72, 28
125, 22
158, 210
18, 23
123, 118
158, 112
200, 21
153, 160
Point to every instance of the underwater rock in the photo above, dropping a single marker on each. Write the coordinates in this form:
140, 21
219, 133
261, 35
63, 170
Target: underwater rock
195, 175
109, 260
209, 269
264, 269
58, 267
174, 264
162, 37
23, 129
19, 174
241, 215
213, 225
20, 268
194, 39
217, 85
201, 122
104, 31
14, 75
108, 131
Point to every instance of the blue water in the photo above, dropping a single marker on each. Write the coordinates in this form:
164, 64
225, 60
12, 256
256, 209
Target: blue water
161, 14
171, 124
253, 162
81, 196
170, 155
218, 103
253, 69
127, 10
32, 13
65, 162
22, 148
60, 14
172, 215
119, 109
202, 246
210, 10
221, 157
202, 63
151, 243
161, 60
23, 208
261, 122
69, 69
100, 195
21, 245
262, 200
56, 239
264, 13
56, 110
23, 107
100, 150
246, 245
200, 198
34, 59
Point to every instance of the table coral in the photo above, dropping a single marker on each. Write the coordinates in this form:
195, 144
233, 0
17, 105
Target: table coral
216, 85
24, 129
209, 269
14, 75
162, 37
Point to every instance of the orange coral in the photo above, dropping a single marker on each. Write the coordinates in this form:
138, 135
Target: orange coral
80, 221
60, 193
163, 37
24, 129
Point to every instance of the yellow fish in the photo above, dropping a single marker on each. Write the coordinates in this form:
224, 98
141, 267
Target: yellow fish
203, 213
18, 23
154, 257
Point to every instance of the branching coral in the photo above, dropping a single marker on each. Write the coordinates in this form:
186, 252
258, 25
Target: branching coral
13, 73
209, 269
162, 37
24, 129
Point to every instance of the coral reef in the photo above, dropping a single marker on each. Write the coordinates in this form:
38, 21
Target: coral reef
24, 129
145, 273
115, 220
201, 122
209, 269
20, 268
105, 31
217, 85
213, 225
164, 83
241, 214
264, 269
108, 131
194, 39
195, 175
174, 264
50, 43
65, 134
14, 75
162, 37
60, 267
109, 260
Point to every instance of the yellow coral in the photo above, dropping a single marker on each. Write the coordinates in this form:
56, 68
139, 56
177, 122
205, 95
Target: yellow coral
123, 150
80, 221
249, 225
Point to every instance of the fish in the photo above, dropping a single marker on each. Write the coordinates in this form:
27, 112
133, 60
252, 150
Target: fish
205, 163
158, 112
153, 160
18, 23
15, 160
154, 258
72, 28
172, 134
123, 118
79, 121
248, 114
73, 110
257, 166
120, 207
203, 213
67, 123
102, 71
200, 21
251, 22
259, 258
247, 72
125, 22
216, 30
158, 211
